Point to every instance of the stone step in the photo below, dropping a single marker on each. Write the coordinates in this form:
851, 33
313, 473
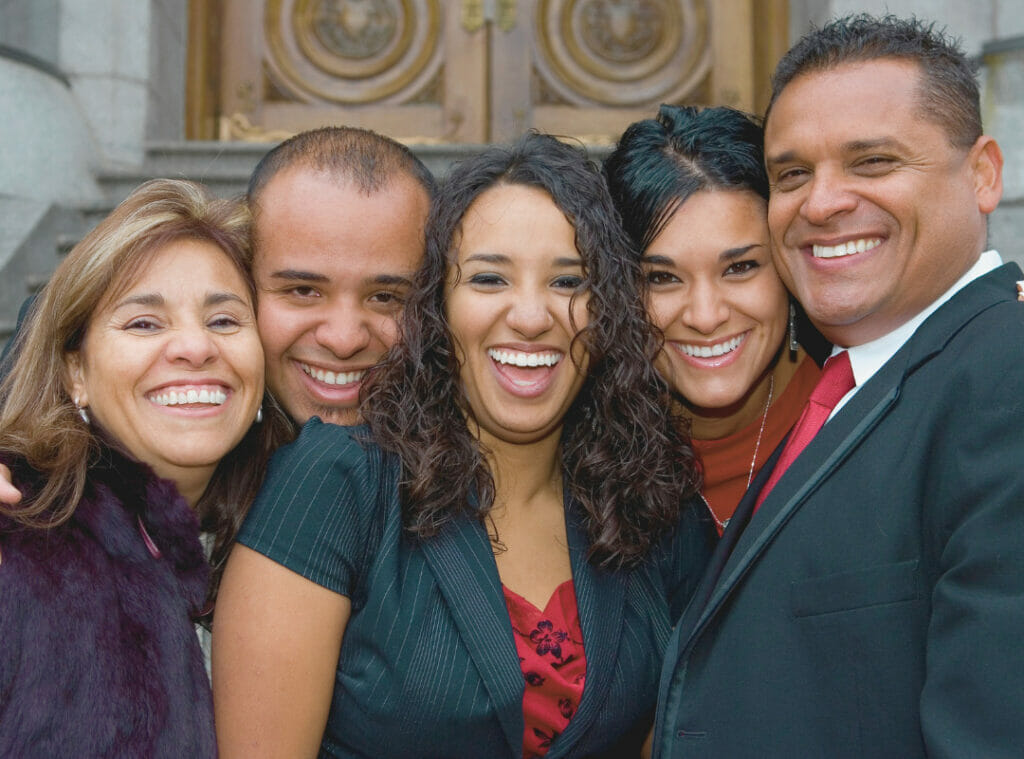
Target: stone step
225, 166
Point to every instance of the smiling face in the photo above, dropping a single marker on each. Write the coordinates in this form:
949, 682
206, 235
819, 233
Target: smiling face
332, 266
716, 297
873, 212
172, 368
512, 316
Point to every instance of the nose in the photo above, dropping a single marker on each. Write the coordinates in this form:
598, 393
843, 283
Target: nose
827, 196
344, 331
530, 314
193, 345
706, 310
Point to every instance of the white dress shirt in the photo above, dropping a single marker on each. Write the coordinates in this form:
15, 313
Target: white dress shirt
868, 358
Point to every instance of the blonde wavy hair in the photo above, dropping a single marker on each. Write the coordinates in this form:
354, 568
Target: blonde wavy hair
39, 422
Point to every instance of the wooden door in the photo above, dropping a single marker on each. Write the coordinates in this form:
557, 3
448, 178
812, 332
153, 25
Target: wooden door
475, 70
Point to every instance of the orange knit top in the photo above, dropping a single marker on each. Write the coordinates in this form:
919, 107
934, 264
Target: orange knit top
727, 460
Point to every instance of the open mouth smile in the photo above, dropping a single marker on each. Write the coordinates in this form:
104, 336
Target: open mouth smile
186, 396
710, 351
332, 378
845, 248
524, 373
524, 359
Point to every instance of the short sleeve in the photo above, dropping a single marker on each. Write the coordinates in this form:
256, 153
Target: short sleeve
318, 510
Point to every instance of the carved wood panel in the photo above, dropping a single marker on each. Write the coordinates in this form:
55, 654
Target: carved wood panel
404, 67
482, 70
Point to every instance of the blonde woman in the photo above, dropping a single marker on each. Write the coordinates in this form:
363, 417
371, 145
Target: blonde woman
129, 420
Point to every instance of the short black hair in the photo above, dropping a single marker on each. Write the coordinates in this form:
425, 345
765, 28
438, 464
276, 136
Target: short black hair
948, 95
661, 162
367, 159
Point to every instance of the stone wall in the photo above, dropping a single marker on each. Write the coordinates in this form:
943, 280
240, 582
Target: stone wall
126, 63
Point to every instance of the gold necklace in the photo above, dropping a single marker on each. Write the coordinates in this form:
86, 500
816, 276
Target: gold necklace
723, 523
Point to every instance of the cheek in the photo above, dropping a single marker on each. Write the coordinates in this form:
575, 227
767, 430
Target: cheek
249, 361
663, 309
280, 328
771, 300
387, 330
269, 322
579, 316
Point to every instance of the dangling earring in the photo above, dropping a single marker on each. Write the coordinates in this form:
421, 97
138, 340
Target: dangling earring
794, 346
259, 414
81, 410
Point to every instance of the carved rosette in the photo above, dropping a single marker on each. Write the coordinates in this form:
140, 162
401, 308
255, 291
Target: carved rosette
622, 52
351, 51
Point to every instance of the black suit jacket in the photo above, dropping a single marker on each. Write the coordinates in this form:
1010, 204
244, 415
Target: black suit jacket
874, 605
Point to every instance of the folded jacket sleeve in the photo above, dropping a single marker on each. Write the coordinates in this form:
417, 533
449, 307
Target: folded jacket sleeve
317, 512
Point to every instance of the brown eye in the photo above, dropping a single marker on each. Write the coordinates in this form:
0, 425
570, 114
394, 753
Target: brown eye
742, 267
790, 179
141, 325
661, 278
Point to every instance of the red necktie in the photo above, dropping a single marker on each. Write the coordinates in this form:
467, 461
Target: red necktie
835, 382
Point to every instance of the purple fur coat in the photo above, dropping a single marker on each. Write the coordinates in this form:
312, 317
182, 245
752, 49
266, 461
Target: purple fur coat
98, 655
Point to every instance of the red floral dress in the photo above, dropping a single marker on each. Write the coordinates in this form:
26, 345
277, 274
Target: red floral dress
550, 648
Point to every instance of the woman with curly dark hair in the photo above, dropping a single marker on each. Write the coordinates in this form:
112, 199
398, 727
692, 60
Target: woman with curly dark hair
504, 545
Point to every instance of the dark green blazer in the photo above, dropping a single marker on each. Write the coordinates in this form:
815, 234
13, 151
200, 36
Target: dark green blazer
429, 667
874, 605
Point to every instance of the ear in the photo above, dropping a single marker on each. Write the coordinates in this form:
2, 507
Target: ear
76, 378
987, 164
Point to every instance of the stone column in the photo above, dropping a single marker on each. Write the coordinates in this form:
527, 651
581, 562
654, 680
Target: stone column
126, 63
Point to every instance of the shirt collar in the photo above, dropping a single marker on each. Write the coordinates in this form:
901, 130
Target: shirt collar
868, 358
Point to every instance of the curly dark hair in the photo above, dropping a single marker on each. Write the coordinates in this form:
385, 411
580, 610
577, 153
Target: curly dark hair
948, 93
626, 457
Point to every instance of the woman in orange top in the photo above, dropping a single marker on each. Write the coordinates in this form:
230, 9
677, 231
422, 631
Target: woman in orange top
693, 194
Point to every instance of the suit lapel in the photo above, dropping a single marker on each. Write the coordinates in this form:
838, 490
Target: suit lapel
463, 566
600, 596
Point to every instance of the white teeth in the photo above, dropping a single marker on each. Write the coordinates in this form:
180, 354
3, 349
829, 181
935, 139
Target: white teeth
521, 358
846, 248
708, 351
333, 378
212, 395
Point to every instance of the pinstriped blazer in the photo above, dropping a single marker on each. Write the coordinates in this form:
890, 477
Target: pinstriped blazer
429, 665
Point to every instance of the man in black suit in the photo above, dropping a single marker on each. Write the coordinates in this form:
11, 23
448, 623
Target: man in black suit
868, 600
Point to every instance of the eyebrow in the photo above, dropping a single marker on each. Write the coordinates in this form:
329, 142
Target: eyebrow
155, 299
297, 275
144, 299
501, 258
293, 274
855, 146
215, 299
729, 254
398, 280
